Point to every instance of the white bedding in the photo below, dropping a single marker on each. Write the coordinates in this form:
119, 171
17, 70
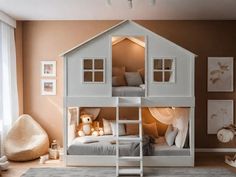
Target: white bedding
101, 145
87, 139
128, 91
164, 149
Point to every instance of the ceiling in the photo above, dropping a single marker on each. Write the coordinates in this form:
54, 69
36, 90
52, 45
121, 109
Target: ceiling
119, 9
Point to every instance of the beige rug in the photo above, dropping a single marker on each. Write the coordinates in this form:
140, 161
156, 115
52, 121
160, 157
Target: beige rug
110, 172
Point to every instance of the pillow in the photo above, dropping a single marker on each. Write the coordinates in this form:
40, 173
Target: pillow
118, 81
118, 71
170, 135
86, 139
106, 127
181, 123
121, 128
133, 78
132, 129
150, 129
142, 73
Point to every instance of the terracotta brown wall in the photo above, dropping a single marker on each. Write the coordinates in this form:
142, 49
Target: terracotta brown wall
45, 40
130, 52
204, 38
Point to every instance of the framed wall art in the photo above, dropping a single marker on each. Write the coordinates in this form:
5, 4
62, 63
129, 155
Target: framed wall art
48, 87
48, 68
220, 113
220, 74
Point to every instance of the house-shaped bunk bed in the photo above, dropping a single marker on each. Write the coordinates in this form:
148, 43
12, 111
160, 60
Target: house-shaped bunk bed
134, 83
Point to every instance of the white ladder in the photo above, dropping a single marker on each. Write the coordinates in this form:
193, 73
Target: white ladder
119, 159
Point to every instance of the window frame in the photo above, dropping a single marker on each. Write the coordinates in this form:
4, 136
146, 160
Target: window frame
93, 70
163, 70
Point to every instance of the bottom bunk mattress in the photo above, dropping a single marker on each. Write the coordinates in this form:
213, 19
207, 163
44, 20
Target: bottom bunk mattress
128, 91
105, 145
163, 149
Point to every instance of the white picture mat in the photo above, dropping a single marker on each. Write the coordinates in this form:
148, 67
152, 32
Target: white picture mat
220, 74
51, 90
50, 73
220, 113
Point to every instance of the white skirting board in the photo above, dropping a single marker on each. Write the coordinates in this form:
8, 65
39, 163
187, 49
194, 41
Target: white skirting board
215, 150
80, 160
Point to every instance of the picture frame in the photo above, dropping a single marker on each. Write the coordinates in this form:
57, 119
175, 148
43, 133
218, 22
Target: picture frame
48, 68
220, 113
48, 87
220, 74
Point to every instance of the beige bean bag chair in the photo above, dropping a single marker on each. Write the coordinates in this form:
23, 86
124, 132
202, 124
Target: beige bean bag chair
26, 140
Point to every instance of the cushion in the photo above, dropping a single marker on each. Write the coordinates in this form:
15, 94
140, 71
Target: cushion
133, 78
170, 135
180, 140
118, 71
118, 81
132, 129
121, 128
142, 73
106, 127
150, 129
181, 123
26, 140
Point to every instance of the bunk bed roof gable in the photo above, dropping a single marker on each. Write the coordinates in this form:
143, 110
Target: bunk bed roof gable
134, 24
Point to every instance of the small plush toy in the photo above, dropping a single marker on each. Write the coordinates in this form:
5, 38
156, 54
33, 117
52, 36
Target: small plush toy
97, 130
101, 132
86, 128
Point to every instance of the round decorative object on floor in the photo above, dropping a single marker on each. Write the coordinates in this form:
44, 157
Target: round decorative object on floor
26, 140
4, 164
225, 135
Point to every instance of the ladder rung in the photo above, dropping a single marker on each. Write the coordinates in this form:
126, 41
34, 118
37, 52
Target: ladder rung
136, 139
130, 171
130, 158
129, 121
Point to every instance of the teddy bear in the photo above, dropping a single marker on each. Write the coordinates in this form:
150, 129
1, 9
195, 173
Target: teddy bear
86, 125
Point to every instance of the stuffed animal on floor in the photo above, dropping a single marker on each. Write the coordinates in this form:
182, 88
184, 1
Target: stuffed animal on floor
86, 125
3, 163
225, 135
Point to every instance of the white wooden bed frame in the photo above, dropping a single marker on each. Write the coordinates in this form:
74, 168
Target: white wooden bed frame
176, 98
102, 160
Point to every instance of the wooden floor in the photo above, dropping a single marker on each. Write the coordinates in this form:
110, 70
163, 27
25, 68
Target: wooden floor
202, 159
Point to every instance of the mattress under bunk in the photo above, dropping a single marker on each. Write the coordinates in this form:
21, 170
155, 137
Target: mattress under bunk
128, 91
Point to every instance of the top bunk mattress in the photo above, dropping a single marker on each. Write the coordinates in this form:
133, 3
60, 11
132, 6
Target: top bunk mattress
128, 91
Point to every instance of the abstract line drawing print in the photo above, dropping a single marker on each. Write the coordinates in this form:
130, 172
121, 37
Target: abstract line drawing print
220, 114
220, 74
